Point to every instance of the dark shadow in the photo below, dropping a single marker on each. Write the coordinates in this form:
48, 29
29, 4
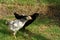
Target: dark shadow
4, 27
5, 32
3, 24
54, 13
53, 8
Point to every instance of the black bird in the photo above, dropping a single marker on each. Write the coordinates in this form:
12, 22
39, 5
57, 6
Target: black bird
34, 16
17, 16
15, 25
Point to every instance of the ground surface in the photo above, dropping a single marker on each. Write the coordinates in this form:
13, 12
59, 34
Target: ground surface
43, 28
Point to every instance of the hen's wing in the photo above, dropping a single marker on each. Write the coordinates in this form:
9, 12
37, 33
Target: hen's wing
17, 16
34, 16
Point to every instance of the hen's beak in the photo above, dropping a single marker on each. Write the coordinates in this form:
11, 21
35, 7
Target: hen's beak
29, 18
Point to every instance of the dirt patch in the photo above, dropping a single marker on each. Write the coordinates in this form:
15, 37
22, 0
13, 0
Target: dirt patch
48, 10
25, 9
54, 11
42, 28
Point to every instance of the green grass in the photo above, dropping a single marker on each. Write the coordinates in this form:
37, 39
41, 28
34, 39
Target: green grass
40, 29
18, 1
50, 2
32, 2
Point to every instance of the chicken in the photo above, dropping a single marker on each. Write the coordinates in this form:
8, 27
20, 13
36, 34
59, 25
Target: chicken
17, 24
33, 16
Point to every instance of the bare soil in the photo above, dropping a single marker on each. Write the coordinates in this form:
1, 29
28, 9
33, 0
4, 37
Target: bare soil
49, 10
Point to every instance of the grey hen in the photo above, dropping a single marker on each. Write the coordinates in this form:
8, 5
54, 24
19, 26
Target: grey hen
17, 24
